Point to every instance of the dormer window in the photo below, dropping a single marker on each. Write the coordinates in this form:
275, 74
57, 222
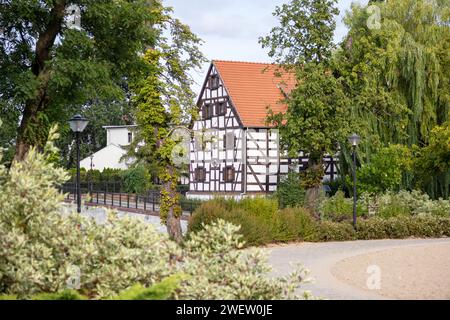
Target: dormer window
214, 82
221, 108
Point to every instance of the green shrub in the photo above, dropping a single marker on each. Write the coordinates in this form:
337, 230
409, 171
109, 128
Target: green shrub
259, 218
259, 206
254, 228
159, 291
255, 216
401, 227
136, 179
63, 295
289, 193
339, 208
295, 224
207, 213
335, 231
261, 223
188, 204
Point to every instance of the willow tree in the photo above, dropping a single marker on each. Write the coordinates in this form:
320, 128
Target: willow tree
163, 101
397, 73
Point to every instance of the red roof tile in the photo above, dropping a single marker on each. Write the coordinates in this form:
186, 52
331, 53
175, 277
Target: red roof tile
253, 87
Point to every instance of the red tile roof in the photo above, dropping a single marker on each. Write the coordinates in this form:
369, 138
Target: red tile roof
253, 87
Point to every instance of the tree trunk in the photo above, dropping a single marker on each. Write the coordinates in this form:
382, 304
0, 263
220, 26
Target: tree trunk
313, 180
30, 131
173, 217
311, 197
173, 225
23, 141
39, 102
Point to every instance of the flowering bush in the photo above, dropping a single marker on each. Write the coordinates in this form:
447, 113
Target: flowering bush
45, 250
217, 269
413, 203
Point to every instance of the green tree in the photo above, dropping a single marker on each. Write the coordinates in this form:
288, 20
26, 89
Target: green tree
318, 110
316, 121
305, 32
10, 118
432, 163
386, 171
47, 66
136, 179
289, 193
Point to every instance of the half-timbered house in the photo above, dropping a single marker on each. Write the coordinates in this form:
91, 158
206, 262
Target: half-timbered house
234, 151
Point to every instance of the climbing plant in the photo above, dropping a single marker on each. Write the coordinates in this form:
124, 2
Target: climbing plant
163, 101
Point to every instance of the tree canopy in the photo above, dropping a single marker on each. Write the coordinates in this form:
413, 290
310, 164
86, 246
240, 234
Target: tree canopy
48, 67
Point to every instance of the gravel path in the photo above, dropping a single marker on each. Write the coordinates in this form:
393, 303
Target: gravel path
407, 269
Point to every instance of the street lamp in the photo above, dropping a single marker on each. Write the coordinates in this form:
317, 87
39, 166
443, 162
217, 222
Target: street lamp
354, 140
78, 124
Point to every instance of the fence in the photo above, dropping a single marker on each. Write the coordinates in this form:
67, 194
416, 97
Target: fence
116, 186
146, 203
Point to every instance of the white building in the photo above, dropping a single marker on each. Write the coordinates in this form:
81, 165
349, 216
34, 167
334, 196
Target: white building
110, 156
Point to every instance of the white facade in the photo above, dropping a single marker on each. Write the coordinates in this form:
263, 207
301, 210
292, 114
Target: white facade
110, 156
119, 135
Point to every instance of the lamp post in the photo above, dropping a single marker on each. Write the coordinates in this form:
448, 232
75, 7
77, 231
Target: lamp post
354, 140
78, 124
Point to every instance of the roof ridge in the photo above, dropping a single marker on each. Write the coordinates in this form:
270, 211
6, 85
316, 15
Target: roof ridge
238, 61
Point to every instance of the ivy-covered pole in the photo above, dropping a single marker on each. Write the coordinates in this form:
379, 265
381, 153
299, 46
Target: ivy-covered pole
155, 123
163, 100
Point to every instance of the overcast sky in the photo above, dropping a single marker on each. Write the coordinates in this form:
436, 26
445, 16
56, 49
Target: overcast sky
230, 28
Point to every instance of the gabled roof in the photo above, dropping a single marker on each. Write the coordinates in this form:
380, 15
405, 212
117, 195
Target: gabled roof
253, 87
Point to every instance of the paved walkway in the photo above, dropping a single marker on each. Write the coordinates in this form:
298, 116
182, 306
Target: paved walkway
332, 260
99, 214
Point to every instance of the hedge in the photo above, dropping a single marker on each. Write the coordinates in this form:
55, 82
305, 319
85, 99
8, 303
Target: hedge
262, 223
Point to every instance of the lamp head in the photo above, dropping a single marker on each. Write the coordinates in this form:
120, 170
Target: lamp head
354, 140
78, 123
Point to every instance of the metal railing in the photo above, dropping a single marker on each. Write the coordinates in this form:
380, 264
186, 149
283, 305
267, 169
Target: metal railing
146, 203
